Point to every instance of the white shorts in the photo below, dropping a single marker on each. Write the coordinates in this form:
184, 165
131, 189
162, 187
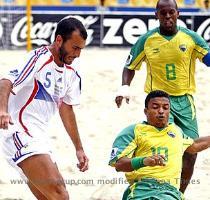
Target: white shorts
18, 146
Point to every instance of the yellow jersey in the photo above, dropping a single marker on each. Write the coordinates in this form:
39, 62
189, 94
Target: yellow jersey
143, 140
170, 60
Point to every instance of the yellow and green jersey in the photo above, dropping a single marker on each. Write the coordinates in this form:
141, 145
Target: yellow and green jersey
145, 140
170, 60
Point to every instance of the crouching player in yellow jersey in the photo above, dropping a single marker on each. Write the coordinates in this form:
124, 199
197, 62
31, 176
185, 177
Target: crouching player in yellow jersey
170, 53
151, 152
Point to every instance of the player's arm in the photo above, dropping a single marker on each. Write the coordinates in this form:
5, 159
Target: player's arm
199, 144
127, 76
5, 89
133, 62
123, 92
69, 121
130, 164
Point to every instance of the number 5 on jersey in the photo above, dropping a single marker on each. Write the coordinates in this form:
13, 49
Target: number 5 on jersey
47, 83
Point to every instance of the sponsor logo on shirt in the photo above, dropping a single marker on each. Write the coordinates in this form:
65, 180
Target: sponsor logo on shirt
171, 134
183, 47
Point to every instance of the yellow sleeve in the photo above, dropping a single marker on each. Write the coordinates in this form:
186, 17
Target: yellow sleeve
187, 141
124, 145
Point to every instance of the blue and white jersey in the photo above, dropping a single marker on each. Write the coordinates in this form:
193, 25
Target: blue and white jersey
39, 87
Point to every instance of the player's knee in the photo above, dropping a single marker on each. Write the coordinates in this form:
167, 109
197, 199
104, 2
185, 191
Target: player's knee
62, 194
59, 192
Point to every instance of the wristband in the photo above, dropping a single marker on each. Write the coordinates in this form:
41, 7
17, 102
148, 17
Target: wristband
137, 162
124, 91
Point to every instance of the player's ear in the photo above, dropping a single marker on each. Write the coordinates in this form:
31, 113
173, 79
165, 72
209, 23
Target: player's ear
59, 40
177, 13
145, 111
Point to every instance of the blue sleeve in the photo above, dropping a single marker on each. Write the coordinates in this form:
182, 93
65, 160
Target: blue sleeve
206, 59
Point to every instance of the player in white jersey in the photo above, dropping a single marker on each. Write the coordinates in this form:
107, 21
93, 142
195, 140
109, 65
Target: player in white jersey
30, 95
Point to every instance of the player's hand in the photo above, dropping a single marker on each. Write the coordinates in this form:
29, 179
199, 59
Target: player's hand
155, 160
83, 160
5, 120
122, 93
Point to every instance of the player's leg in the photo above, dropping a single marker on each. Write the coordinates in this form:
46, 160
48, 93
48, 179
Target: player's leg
36, 192
187, 170
183, 110
45, 177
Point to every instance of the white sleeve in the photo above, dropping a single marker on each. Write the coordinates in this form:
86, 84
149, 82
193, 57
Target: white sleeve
72, 96
22, 73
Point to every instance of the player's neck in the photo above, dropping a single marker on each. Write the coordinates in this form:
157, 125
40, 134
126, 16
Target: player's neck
168, 33
53, 51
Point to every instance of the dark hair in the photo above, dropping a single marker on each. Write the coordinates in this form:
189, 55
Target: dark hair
157, 5
154, 94
67, 25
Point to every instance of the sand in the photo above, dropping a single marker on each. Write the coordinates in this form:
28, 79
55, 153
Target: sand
99, 122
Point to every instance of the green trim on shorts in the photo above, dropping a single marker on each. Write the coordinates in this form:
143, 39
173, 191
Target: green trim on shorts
150, 189
183, 114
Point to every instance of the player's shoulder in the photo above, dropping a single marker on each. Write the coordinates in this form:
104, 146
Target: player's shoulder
142, 39
141, 128
196, 38
72, 74
127, 131
41, 52
41, 55
141, 125
151, 32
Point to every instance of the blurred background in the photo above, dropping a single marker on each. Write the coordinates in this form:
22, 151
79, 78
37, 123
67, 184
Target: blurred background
31, 23
126, 3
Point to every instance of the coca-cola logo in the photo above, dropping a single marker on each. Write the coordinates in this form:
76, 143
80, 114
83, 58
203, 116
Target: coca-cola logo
43, 33
40, 32
204, 29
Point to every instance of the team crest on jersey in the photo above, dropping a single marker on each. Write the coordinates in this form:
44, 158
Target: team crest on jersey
114, 153
128, 61
171, 134
183, 47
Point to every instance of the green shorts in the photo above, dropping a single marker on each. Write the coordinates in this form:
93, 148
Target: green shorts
183, 114
150, 189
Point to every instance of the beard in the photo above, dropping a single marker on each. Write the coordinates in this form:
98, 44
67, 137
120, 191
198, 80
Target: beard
63, 54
